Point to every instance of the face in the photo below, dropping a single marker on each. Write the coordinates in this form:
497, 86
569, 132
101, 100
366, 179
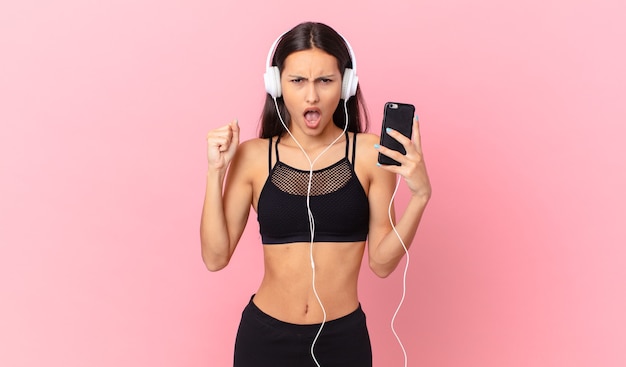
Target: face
311, 85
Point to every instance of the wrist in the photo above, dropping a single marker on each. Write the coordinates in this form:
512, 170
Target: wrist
421, 197
218, 174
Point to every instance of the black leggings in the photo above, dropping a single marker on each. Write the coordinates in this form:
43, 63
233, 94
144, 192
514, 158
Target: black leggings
263, 341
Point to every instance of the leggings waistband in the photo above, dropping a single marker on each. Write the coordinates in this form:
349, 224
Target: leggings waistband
355, 316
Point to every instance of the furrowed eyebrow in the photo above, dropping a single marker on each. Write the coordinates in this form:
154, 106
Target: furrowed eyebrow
293, 76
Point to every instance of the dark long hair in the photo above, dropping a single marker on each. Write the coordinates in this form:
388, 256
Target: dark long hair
306, 36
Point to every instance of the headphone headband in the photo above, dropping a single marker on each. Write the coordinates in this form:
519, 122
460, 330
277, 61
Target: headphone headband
272, 74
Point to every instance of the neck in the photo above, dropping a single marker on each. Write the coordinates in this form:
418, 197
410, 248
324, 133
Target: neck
313, 142
314, 146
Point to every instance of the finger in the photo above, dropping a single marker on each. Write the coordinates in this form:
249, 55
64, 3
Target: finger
223, 134
398, 136
219, 138
393, 154
219, 132
390, 167
417, 137
234, 125
219, 143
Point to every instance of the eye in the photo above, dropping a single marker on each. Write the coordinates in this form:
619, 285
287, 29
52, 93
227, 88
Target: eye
297, 80
326, 81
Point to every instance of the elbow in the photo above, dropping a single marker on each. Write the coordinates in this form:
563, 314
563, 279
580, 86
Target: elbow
215, 255
214, 266
214, 263
380, 270
382, 273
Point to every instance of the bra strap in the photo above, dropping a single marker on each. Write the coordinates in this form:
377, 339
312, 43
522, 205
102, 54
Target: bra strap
277, 141
354, 149
269, 155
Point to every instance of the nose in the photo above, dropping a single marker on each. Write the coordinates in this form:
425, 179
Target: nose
312, 96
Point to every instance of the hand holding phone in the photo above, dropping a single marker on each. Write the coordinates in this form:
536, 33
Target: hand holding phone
399, 117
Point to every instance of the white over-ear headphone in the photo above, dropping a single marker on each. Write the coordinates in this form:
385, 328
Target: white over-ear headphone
272, 74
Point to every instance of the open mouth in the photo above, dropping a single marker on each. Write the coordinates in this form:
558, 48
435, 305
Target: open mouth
312, 117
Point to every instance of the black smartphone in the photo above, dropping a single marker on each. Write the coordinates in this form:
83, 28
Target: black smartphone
397, 116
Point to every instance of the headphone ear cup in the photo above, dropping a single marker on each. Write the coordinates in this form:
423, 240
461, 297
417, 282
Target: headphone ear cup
272, 81
349, 84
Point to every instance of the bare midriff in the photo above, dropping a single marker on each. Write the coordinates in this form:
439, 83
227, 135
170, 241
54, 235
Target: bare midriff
286, 292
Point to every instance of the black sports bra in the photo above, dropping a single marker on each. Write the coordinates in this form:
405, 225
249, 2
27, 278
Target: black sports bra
338, 202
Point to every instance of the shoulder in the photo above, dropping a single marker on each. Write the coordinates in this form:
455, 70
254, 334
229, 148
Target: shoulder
253, 150
253, 146
366, 155
367, 138
251, 155
365, 147
367, 159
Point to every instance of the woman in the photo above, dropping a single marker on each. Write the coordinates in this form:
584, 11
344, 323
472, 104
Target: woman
306, 311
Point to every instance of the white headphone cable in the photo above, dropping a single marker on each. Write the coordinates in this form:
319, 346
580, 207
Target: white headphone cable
310, 213
406, 268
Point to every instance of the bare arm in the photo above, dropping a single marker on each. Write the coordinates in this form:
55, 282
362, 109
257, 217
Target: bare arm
224, 215
385, 249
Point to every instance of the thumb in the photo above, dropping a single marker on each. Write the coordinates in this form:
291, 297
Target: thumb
234, 125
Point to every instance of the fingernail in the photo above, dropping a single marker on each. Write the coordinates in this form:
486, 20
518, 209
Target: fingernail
387, 130
376, 146
377, 164
417, 118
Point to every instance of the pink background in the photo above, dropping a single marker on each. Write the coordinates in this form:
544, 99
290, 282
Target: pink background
104, 107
